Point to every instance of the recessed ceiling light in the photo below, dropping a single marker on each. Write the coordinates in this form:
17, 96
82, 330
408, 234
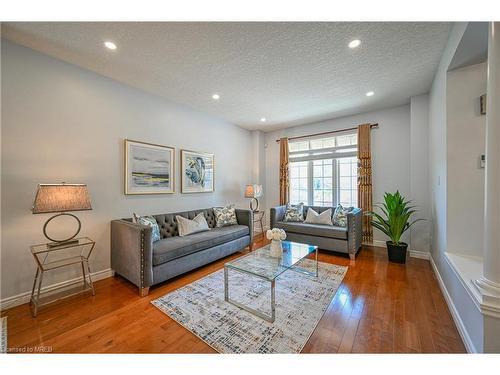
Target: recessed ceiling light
110, 45
263, 119
354, 43
370, 93
215, 96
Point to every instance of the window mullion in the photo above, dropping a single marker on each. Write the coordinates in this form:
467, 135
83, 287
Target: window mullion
335, 183
310, 185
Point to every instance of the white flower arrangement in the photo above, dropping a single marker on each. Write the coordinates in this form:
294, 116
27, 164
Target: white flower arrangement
276, 234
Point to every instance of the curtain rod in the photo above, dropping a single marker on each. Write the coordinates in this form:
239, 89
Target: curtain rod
330, 132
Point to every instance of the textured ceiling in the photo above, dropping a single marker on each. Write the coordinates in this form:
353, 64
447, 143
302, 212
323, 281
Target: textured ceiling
290, 73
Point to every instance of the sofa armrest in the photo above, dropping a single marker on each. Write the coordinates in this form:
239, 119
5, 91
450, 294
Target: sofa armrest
277, 214
245, 217
132, 252
354, 230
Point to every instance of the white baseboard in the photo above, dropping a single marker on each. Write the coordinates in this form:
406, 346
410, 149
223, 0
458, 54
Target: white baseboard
453, 310
22, 298
420, 254
413, 253
376, 243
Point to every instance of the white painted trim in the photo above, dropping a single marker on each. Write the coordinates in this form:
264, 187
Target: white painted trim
420, 254
453, 310
484, 303
413, 253
376, 243
22, 298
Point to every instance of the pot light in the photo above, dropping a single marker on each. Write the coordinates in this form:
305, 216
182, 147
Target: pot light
110, 45
370, 93
263, 119
215, 96
354, 43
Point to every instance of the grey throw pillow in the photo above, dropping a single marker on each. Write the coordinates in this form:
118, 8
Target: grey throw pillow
150, 221
225, 216
324, 218
294, 213
340, 216
186, 226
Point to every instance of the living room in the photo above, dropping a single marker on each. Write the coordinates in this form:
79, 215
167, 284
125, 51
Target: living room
250, 187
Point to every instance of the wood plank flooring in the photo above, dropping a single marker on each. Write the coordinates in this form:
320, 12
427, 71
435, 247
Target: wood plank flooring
380, 307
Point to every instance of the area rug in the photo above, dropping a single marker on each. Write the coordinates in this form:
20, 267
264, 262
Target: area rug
3, 335
301, 301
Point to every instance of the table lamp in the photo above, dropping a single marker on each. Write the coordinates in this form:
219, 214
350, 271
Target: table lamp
61, 198
253, 191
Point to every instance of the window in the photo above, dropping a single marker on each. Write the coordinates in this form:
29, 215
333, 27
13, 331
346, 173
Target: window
299, 181
323, 171
348, 181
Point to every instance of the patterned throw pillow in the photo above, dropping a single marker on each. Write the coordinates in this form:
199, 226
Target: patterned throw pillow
150, 221
294, 213
340, 216
225, 216
186, 226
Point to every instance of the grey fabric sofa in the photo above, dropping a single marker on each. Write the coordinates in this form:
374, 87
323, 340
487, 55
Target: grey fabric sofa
145, 263
326, 237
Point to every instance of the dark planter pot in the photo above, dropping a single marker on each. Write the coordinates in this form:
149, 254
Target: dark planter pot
397, 253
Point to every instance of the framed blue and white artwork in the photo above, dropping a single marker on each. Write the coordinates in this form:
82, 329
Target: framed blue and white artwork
197, 172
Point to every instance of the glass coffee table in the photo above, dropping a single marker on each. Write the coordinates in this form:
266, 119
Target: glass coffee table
263, 265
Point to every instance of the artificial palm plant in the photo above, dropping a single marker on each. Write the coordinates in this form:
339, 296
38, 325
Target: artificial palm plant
394, 221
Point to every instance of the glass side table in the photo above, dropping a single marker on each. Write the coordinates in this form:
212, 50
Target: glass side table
49, 258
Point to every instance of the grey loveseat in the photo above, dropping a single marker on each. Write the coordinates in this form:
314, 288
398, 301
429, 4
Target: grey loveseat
326, 237
145, 263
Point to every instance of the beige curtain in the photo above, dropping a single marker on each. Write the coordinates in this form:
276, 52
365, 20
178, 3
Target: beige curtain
365, 179
284, 174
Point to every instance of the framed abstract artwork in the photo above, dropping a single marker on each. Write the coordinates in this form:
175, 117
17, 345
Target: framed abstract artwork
149, 168
197, 172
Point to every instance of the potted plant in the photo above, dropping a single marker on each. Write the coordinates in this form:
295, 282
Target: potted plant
394, 221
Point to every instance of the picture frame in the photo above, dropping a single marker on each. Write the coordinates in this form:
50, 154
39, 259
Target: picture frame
149, 168
197, 172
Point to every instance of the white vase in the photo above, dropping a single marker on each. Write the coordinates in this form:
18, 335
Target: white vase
276, 249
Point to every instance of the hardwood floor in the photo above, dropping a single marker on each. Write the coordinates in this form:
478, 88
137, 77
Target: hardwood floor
379, 308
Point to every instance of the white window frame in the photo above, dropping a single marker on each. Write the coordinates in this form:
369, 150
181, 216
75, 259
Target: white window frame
333, 153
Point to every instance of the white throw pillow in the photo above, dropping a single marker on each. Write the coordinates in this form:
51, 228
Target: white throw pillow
324, 218
186, 226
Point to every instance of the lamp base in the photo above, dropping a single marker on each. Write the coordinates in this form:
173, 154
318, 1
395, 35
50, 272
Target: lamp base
256, 201
65, 241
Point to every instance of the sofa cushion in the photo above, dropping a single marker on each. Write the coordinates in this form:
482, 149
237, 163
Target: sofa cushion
171, 248
314, 229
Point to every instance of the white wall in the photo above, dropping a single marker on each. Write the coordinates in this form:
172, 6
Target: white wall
468, 315
419, 171
466, 134
390, 151
64, 123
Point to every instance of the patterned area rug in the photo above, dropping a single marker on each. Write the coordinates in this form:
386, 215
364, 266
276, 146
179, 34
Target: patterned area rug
301, 301
3, 335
